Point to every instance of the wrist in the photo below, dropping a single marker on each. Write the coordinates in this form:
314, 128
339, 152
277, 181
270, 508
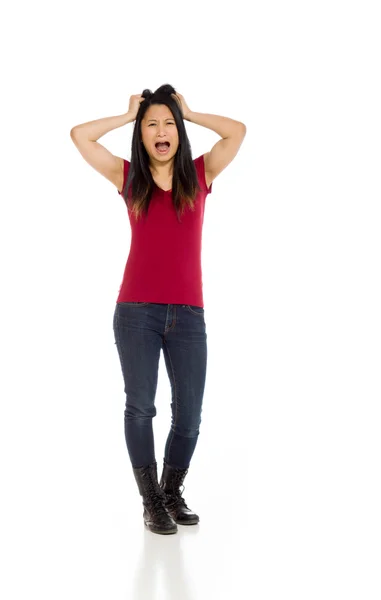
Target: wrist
129, 117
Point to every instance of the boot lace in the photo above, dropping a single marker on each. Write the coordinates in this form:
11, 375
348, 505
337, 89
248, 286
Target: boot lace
175, 500
174, 495
155, 496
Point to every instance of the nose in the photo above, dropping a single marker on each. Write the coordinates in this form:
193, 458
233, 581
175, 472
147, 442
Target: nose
161, 129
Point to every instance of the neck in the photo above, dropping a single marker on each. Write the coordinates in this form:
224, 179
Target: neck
161, 169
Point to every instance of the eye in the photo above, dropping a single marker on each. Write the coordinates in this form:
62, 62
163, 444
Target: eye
172, 123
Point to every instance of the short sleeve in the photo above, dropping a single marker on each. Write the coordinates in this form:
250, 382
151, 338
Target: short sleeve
200, 168
126, 167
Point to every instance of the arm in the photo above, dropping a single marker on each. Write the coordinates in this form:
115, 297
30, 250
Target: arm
84, 137
93, 130
232, 133
223, 152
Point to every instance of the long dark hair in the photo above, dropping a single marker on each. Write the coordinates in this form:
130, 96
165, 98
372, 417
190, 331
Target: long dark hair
184, 183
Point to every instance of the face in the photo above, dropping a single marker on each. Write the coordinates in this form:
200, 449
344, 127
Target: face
159, 126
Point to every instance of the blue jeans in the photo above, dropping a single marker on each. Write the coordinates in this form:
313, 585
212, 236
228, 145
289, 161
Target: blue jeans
141, 330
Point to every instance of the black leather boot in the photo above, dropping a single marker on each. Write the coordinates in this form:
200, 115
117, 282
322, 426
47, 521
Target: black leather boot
156, 516
170, 482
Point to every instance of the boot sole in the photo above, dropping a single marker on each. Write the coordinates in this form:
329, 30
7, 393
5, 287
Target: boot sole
188, 522
161, 531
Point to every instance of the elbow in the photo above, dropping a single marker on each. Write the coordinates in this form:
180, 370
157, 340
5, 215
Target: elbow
240, 131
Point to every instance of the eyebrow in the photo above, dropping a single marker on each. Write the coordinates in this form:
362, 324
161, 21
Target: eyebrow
167, 119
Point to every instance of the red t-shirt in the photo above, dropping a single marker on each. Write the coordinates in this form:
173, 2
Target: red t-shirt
164, 261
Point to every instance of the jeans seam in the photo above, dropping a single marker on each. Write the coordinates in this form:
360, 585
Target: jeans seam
172, 433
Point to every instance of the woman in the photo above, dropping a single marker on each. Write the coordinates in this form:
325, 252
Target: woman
160, 301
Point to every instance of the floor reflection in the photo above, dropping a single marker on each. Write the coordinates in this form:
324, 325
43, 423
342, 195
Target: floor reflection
163, 566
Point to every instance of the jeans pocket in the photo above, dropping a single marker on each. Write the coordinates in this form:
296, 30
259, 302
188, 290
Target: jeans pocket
195, 310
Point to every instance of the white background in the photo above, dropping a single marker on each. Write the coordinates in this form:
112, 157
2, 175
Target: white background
286, 474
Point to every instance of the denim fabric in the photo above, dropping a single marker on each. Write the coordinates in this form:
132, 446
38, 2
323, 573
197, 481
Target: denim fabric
141, 330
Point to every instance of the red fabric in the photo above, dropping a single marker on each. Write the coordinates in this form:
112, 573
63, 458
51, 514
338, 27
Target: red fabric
164, 261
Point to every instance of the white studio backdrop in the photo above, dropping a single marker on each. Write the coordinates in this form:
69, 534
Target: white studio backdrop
289, 446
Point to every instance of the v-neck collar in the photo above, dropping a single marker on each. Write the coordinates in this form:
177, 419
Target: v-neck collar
161, 189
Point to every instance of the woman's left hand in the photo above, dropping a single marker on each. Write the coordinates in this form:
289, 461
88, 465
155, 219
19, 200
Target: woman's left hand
183, 105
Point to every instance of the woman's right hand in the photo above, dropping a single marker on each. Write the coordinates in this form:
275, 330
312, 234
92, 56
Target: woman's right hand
134, 105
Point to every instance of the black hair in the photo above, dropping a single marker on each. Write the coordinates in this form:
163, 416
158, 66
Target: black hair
184, 182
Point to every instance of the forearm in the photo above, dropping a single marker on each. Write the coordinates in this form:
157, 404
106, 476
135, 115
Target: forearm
224, 126
93, 130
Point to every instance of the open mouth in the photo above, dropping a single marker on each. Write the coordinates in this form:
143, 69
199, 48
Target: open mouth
162, 147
